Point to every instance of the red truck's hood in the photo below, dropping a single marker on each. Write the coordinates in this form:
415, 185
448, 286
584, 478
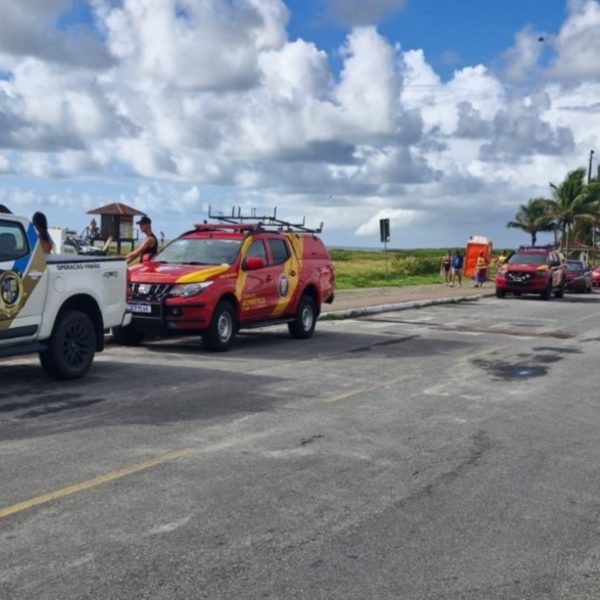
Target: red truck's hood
154, 272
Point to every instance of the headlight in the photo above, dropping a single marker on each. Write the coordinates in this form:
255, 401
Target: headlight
501, 271
185, 290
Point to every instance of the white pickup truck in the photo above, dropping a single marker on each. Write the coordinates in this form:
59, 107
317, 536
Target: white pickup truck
56, 305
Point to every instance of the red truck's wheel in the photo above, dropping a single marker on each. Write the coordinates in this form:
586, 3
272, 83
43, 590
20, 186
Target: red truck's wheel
303, 325
71, 347
220, 334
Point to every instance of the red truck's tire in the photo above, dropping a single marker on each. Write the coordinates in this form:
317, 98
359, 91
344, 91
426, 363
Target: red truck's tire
219, 336
303, 325
71, 347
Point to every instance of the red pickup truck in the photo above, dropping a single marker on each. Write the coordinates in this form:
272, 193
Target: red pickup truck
532, 270
220, 277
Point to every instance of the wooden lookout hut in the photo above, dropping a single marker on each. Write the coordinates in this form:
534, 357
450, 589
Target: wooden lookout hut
116, 223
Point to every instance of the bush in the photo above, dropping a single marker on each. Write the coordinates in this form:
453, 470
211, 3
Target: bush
409, 266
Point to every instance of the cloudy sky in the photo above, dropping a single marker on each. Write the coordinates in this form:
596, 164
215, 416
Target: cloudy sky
442, 115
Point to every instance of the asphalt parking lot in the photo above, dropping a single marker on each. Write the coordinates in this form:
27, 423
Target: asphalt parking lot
446, 452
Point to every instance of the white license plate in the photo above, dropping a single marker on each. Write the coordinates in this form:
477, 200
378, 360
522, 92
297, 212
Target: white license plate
140, 308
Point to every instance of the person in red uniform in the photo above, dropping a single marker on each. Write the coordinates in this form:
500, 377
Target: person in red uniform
149, 245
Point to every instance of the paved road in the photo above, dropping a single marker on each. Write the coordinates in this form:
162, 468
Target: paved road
442, 453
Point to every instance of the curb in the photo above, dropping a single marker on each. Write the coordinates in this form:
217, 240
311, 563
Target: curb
349, 313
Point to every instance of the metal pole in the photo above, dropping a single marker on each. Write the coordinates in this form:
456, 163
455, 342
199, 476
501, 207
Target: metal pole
385, 257
590, 167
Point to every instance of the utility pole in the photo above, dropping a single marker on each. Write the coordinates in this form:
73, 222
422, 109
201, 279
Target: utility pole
589, 178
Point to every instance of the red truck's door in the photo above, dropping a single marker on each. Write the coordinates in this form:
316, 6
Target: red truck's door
258, 287
286, 269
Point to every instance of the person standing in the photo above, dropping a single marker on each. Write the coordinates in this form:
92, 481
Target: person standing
445, 267
41, 226
481, 267
149, 245
457, 268
501, 259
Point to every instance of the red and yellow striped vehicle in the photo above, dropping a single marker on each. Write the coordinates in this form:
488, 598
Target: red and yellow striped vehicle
220, 277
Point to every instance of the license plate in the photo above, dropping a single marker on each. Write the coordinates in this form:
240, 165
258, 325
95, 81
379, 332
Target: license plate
140, 308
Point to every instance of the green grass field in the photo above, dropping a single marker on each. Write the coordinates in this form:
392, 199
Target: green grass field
363, 268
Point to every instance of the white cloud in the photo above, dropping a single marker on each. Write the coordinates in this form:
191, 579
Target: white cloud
400, 217
578, 42
522, 59
193, 44
27, 30
194, 95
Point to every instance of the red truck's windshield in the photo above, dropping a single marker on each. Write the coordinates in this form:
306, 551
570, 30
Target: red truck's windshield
528, 259
200, 251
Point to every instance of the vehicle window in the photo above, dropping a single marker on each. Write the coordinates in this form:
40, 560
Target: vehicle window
521, 258
13, 241
199, 251
280, 251
574, 266
257, 248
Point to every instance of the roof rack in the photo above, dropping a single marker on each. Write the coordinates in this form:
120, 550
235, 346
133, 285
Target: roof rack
240, 222
236, 227
545, 247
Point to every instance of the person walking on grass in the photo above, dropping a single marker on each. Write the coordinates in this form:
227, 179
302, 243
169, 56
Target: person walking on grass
481, 267
457, 268
445, 267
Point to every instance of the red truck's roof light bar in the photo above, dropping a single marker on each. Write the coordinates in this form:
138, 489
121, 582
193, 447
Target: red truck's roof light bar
271, 222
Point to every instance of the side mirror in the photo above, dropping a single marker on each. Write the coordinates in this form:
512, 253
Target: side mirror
253, 263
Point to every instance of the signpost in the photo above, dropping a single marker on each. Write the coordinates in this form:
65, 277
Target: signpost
384, 234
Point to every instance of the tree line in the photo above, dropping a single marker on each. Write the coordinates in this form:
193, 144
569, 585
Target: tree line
572, 212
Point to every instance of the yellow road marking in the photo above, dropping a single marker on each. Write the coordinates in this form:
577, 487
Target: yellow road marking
92, 483
594, 316
357, 391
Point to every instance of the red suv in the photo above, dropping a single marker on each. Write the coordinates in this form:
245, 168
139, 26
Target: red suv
222, 276
532, 270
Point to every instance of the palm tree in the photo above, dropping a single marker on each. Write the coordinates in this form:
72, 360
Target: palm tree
586, 229
533, 218
572, 201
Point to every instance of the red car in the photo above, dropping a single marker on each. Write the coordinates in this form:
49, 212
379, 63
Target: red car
596, 277
532, 270
220, 277
578, 276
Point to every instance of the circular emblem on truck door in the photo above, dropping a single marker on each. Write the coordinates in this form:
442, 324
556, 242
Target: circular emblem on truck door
284, 285
11, 293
